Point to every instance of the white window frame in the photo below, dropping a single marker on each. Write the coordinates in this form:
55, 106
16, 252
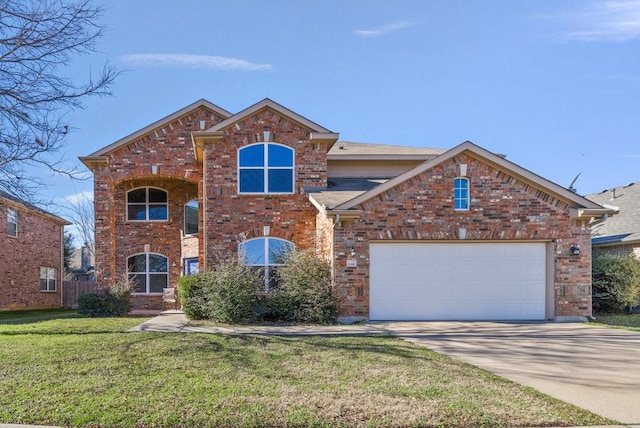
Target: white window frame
147, 274
50, 277
468, 196
12, 219
266, 266
146, 204
266, 168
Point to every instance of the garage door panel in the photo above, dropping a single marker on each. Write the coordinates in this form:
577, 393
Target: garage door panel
464, 281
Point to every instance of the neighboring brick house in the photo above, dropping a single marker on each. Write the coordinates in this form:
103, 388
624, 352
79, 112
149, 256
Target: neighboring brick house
31, 256
620, 234
412, 233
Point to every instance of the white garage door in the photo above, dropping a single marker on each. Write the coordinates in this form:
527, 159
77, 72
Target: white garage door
457, 281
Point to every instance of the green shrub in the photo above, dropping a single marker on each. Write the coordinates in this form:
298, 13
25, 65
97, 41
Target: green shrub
116, 302
616, 282
233, 291
304, 293
230, 293
191, 289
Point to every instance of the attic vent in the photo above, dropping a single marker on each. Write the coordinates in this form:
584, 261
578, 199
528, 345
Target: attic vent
341, 147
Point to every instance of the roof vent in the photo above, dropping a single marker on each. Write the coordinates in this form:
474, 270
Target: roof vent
341, 147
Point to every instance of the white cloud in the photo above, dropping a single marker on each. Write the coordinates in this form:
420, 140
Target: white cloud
385, 29
193, 61
608, 21
79, 197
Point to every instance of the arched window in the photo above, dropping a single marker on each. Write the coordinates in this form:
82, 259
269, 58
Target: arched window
150, 271
265, 168
147, 204
265, 254
191, 217
461, 194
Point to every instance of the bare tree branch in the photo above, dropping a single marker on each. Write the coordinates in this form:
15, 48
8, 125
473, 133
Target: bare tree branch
38, 38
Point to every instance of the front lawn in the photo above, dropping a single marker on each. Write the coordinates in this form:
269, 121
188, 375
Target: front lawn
86, 372
624, 321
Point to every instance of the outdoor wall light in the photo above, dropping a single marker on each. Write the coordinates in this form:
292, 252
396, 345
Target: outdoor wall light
353, 251
574, 250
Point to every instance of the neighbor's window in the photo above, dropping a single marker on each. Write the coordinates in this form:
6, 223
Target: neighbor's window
147, 204
265, 168
461, 194
150, 272
265, 254
191, 217
48, 279
12, 222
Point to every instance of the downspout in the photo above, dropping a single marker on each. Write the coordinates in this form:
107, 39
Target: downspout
203, 211
61, 266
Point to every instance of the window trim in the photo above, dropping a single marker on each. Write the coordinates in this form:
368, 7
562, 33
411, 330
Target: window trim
266, 168
266, 266
48, 279
12, 219
146, 204
467, 199
197, 217
147, 273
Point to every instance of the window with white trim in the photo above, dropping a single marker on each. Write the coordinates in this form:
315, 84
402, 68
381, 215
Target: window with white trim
461, 194
265, 168
266, 254
12, 222
150, 272
48, 277
191, 217
147, 204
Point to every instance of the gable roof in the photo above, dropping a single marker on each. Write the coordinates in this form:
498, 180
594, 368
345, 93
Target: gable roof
267, 103
624, 227
581, 207
100, 154
18, 203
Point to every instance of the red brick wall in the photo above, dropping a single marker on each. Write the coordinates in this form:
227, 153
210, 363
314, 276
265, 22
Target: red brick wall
232, 218
170, 148
39, 244
501, 208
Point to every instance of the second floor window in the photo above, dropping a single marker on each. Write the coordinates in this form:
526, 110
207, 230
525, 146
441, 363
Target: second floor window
461, 194
12, 222
147, 204
191, 217
265, 168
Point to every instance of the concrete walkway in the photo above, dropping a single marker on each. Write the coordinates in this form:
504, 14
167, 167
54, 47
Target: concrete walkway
595, 368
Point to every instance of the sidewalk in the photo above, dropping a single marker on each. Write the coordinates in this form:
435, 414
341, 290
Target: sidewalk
174, 321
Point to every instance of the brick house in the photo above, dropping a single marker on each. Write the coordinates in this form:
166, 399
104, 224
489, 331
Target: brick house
412, 233
31, 256
620, 234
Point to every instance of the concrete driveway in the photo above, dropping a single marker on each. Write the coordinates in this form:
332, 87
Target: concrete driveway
595, 368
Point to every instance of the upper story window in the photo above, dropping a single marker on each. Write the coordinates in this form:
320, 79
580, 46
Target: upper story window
149, 271
191, 217
461, 194
12, 222
265, 254
265, 168
147, 204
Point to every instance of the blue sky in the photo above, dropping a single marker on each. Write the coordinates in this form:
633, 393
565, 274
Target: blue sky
554, 85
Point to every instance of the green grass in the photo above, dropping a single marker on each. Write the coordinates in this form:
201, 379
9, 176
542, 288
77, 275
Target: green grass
623, 321
83, 372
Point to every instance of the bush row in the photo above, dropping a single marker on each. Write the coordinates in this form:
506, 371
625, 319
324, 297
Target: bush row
233, 292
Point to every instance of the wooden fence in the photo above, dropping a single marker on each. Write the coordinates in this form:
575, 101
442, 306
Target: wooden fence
75, 289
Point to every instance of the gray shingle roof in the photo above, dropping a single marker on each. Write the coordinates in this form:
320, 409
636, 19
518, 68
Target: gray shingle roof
29, 206
340, 190
623, 227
